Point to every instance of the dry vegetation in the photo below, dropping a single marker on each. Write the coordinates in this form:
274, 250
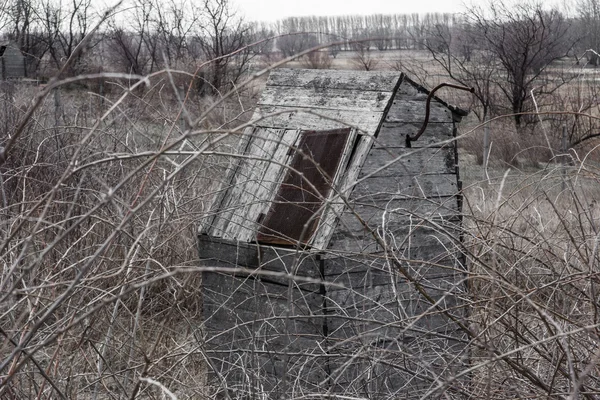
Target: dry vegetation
100, 198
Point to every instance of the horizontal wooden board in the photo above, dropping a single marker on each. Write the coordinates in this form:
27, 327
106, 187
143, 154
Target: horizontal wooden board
260, 371
307, 118
405, 110
399, 162
334, 79
421, 244
410, 366
396, 209
393, 134
356, 271
436, 188
325, 98
249, 255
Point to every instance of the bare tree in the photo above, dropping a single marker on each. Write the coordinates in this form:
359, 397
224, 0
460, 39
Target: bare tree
363, 57
503, 51
224, 39
130, 47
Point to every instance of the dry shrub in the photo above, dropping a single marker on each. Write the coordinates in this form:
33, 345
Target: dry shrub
317, 60
524, 147
100, 201
532, 249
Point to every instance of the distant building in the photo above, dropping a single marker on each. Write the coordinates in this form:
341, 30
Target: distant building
12, 61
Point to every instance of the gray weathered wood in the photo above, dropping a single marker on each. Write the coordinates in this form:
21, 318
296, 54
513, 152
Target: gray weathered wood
263, 176
309, 119
404, 110
12, 61
333, 79
336, 205
410, 162
378, 189
215, 208
228, 253
325, 98
393, 134
381, 266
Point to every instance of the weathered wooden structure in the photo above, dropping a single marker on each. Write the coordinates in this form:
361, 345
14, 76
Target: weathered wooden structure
336, 248
12, 61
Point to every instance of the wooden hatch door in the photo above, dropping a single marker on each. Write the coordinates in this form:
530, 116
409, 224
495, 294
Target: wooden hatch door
292, 218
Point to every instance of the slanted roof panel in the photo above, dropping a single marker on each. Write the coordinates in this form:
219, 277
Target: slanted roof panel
325, 98
380, 81
320, 99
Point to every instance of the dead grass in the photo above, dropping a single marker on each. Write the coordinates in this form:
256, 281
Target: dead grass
100, 283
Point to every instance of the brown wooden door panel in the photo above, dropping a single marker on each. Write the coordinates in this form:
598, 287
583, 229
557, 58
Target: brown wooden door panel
305, 186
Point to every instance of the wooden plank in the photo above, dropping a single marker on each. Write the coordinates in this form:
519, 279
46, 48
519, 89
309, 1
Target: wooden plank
309, 119
334, 79
437, 188
400, 226
256, 194
399, 162
256, 301
249, 173
395, 209
379, 268
325, 98
408, 242
407, 90
216, 208
392, 364
393, 134
335, 205
224, 253
405, 110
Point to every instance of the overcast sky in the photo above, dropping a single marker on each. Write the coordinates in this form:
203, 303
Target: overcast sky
272, 10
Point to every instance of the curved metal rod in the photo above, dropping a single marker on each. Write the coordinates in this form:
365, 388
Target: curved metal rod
427, 108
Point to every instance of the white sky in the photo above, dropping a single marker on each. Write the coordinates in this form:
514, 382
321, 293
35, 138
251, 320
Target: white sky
272, 10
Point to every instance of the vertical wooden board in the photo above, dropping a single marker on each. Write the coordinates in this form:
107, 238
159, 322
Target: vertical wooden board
236, 196
335, 204
244, 224
252, 185
207, 225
